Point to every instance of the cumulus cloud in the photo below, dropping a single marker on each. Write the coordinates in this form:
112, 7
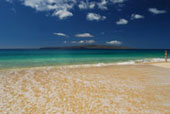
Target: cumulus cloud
60, 8
81, 42
86, 42
44, 5
62, 14
84, 35
92, 5
136, 16
60, 34
156, 11
122, 22
103, 5
114, 42
95, 17
63, 8
86, 5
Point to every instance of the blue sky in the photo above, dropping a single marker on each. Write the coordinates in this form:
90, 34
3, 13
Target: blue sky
45, 23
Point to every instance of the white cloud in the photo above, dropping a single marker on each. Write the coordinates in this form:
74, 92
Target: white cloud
60, 8
114, 42
86, 5
90, 41
86, 42
81, 42
63, 8
118, 1
136, 16
62, 14
122, 22
60, 34
95, 17
156, 11
92, 5
103, 5
83, 5
84, 35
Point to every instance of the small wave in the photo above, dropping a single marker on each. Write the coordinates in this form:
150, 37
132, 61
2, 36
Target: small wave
153, 60
90, 65
131, 62
126, 63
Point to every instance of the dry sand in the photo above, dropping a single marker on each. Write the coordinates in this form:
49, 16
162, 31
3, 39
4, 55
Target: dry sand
134, 89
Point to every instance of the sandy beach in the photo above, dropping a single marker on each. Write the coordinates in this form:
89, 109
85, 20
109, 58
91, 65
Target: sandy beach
133, 89
84, 57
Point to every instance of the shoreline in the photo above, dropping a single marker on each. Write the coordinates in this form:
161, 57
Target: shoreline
158, 64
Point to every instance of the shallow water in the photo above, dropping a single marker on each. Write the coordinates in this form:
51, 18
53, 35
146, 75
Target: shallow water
36, 58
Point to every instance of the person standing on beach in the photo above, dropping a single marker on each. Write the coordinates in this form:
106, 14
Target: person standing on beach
166, 54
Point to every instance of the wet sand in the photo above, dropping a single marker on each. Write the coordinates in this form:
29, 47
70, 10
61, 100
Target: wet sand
142, 89
164, 65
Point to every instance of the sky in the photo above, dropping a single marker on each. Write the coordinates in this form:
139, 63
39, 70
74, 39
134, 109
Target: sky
56, 23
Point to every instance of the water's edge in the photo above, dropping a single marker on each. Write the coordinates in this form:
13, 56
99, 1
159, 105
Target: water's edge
131, 62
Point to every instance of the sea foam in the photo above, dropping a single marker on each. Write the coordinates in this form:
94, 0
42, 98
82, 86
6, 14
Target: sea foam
131, 62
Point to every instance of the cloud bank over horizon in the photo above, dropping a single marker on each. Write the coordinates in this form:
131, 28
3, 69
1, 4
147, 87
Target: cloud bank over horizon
80, 42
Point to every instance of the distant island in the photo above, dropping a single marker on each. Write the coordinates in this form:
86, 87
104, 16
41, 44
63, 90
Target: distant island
88, 47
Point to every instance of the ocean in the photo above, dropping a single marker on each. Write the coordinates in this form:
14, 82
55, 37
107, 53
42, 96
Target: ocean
37, 58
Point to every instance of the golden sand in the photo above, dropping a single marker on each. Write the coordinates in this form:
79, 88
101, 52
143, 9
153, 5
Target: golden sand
134, 89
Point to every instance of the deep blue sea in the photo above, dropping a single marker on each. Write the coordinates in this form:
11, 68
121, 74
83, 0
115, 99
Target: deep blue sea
36, 58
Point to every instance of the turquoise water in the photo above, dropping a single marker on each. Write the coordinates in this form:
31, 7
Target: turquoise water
34, 58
